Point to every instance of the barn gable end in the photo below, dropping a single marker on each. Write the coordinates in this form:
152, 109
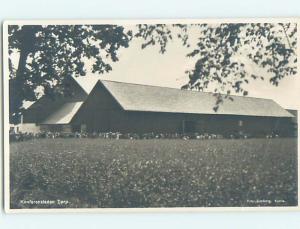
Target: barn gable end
98, 110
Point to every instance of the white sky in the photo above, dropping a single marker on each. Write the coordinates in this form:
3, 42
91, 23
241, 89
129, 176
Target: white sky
149, 67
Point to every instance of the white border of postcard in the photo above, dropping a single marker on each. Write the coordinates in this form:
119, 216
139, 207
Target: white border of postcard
126, 22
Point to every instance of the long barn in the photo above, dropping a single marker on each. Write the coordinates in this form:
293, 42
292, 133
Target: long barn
132, 108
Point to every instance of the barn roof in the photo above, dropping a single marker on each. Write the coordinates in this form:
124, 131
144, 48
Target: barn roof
135, 97
64, 114
79, 94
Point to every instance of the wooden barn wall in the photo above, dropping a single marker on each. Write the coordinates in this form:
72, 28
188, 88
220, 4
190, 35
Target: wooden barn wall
141, 122
101, 113
96, 112
62, 128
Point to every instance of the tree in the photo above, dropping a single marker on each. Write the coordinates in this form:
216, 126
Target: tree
269, 46
50, 53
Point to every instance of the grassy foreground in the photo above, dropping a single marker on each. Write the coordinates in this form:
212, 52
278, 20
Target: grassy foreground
77, 173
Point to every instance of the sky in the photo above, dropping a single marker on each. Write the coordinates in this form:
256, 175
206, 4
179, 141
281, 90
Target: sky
148, 66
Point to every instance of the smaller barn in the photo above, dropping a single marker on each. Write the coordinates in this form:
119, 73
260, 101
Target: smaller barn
55, 113
132, 108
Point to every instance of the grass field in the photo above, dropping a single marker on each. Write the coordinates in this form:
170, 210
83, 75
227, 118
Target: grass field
154, 173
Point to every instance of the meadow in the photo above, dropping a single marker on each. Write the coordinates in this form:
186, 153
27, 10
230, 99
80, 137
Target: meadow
103, 173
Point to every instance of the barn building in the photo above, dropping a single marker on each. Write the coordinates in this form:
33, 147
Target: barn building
132, 108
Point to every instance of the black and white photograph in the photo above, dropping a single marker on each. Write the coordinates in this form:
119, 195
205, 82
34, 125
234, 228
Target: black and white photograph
151, 114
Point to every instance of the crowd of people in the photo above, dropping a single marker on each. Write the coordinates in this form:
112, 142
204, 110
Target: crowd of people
15, 137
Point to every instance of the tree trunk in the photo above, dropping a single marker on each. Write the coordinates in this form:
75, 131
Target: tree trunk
17, 85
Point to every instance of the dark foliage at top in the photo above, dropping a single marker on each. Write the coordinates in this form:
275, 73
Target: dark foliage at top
222, 49
49, 53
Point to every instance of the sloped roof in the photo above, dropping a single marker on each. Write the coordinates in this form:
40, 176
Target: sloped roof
134, 97
58, 109
64, 114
